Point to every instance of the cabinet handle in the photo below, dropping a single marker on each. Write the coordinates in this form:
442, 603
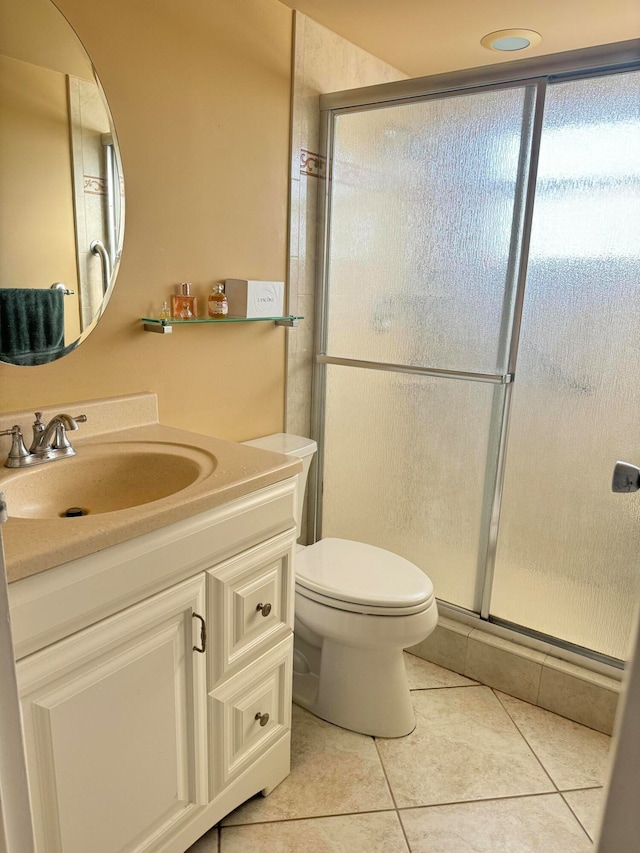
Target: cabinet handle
203, 634
264, 718
266, 609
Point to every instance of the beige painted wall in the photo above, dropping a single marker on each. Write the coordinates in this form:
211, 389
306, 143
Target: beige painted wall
200, 95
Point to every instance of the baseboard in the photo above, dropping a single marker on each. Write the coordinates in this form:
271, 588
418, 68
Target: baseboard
536, 676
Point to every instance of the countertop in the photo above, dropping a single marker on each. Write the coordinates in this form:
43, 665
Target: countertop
35, 545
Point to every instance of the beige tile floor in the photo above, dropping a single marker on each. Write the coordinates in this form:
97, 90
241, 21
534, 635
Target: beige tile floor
482, 772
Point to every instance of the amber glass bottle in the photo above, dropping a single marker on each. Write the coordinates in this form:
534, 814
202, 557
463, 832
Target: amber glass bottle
218, 305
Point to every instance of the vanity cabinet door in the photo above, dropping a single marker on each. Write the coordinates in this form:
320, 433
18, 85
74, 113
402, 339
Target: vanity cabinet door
115, 728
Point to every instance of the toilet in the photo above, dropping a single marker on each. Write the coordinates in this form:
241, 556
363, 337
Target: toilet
357, 607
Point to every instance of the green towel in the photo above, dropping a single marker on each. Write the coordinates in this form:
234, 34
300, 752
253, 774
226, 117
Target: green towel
31, 325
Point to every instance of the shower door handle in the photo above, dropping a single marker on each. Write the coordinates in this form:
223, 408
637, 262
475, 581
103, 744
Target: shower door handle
626, 478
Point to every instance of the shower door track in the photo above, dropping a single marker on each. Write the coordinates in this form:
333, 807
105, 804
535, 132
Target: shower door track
523, 636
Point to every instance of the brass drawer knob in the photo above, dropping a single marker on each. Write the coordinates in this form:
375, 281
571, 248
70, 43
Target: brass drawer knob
266, 608
264, 718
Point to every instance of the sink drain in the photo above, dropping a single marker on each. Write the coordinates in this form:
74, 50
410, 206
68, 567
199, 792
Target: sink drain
74, 512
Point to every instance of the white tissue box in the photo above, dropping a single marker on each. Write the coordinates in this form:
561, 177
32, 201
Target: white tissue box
254, 298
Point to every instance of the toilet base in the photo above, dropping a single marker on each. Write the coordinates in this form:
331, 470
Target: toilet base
361, 689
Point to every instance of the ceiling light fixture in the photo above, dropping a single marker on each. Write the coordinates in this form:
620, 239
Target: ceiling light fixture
511, 40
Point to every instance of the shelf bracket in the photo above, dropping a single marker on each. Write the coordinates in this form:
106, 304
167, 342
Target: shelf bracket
290, 322
158, 328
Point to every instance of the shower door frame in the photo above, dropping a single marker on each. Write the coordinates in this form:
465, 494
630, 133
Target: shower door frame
538, 73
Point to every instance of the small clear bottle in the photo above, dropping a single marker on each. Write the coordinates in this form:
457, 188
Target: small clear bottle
218, 304
164, 313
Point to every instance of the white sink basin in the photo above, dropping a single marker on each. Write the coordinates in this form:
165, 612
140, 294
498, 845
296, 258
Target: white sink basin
105, 477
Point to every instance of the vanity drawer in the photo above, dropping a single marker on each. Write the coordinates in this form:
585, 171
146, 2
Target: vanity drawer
249, 713
250, 604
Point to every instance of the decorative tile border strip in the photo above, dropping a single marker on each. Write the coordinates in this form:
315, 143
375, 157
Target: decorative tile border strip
312, 164
94, 185
351, 174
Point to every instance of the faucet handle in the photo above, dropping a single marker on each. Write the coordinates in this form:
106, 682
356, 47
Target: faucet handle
14, 431
60, 440
18, 450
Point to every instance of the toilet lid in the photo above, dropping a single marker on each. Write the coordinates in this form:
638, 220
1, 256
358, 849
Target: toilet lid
360, 574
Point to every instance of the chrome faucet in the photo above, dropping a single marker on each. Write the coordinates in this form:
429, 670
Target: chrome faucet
50, 441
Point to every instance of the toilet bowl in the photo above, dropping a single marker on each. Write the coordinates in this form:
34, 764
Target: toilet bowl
357, 607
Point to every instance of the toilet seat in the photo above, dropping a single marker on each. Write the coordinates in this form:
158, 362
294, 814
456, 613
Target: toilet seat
361, 578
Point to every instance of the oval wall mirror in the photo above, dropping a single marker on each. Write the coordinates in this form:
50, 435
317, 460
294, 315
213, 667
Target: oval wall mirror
61, 187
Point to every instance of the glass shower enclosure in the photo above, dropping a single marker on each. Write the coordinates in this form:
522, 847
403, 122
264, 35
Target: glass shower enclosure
477, 358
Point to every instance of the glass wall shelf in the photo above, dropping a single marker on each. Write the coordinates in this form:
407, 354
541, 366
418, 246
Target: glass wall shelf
165, 327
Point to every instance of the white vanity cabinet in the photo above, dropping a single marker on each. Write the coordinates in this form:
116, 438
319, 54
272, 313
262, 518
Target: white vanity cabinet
136, 741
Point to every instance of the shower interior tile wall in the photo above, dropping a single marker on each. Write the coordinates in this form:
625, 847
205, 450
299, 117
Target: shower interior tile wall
324, 62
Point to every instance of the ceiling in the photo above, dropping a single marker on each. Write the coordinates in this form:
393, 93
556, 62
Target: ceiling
422, 37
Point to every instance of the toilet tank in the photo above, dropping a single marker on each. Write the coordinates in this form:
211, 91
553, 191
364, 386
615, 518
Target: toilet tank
291, 445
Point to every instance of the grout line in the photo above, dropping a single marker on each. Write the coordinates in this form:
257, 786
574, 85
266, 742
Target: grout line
404, 833
568, 805
585, 788
519, 730
445, 687
398, 809
495, 799
384, 772
466, 655
308, 817
393, 798
540, 681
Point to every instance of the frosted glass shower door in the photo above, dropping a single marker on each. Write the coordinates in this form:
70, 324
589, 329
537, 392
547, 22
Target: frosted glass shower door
424, 230
568, 555
425, 216
405, 469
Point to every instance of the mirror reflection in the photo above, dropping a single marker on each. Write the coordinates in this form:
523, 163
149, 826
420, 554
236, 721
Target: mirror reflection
61, 187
